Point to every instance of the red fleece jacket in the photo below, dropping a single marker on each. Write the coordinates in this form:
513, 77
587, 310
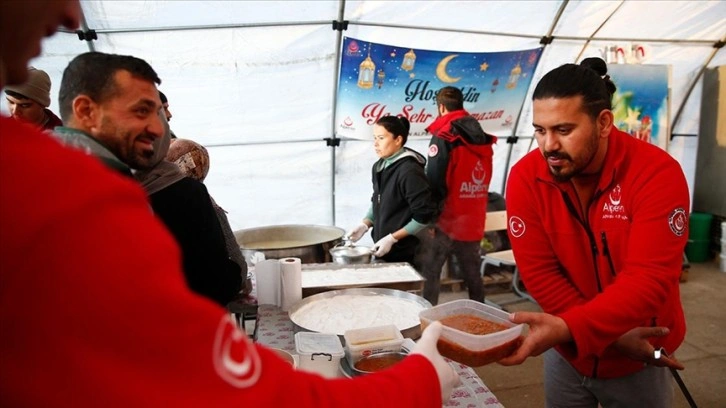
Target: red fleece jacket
94, 310
613, 270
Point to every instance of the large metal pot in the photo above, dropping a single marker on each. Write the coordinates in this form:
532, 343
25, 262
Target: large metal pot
310, 243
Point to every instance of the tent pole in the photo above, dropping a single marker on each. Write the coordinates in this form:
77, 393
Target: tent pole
547, 39
84, 26
584, 47
697, 78
338, 42
205, 27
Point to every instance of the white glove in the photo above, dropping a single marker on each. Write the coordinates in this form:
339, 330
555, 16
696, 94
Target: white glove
383, 246
357, 233
426, 346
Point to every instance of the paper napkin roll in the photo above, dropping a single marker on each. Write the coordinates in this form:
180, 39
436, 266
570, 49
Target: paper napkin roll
291, 282
267, 275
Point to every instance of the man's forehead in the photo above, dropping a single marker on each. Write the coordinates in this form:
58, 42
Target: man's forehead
559, 111
137, 88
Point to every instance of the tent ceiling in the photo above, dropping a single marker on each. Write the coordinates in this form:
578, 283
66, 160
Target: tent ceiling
250, 73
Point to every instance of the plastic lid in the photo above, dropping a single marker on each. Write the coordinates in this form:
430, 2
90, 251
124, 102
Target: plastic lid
308, 343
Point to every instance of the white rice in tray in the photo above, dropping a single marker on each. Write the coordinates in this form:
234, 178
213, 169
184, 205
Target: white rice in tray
344, 312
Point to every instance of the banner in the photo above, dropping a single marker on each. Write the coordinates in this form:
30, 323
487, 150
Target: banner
641, 101
378, 80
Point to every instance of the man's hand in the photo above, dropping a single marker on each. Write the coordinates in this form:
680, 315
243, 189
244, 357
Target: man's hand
545, 331
383, 246
426, 346
634, 344
357, 233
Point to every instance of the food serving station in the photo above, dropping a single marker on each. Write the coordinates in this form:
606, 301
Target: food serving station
323, 280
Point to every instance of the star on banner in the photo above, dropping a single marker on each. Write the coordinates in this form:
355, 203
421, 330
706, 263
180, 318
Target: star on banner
632, 119
483, 67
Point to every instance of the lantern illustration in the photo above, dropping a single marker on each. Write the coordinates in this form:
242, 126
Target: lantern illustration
381, 77
366, 71
409, 60
514, 77
495, 83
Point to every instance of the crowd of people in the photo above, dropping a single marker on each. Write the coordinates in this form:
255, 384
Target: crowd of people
116, 263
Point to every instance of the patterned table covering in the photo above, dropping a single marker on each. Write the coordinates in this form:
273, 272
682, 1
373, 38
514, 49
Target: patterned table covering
275, 329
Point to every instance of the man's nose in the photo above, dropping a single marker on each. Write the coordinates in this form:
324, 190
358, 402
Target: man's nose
551, 142
156, 127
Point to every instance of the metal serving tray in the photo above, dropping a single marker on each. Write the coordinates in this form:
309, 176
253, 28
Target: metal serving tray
412, 332
413, 283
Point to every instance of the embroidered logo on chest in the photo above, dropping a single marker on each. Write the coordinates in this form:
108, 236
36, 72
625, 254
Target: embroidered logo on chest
612, 207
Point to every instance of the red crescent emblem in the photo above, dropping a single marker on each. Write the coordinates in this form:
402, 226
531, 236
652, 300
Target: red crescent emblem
678, 221
516, 226
235, 358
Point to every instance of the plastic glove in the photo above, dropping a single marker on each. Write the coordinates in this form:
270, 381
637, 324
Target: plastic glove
426, 346
357, 233
383, 246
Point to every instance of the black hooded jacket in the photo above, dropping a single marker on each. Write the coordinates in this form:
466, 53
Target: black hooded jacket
401, 192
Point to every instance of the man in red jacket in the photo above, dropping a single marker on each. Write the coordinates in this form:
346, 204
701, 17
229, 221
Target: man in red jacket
598, 223
94, 309
459, 169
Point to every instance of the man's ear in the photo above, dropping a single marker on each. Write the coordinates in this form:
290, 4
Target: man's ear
605, 121
85, 112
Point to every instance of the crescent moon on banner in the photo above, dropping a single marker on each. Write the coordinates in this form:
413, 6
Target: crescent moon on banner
441, 70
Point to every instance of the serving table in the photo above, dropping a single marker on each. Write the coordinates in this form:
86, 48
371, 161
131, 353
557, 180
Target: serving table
275, 329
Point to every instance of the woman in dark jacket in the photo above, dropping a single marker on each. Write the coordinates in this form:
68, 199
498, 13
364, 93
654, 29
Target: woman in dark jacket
401, 204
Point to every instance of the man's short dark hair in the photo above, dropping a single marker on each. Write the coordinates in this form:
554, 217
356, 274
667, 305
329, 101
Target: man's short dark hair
92, 74
451, 97
589, 80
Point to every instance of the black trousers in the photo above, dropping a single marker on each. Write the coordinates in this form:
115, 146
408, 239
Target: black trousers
434, 252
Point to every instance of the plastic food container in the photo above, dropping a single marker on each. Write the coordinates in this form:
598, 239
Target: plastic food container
319, 353
361, 343
471, 349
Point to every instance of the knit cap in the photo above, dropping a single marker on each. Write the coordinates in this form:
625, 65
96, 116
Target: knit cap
37, 87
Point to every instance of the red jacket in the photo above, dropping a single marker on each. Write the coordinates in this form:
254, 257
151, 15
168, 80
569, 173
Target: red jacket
459, 170
95, 312
615, 270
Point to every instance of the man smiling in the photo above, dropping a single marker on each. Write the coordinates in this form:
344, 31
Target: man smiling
110, 105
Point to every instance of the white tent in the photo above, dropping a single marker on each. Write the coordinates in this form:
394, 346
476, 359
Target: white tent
255, 81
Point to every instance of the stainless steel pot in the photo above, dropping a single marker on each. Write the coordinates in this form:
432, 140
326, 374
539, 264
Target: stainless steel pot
350, 254
310, 243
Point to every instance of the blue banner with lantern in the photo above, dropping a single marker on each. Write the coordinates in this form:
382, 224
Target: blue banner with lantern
378, 80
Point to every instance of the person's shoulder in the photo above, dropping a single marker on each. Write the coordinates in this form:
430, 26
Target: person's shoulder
529, 164
36, 155
52, 183
644, 154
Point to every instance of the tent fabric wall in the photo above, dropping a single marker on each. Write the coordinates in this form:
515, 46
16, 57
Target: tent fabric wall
255, 81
